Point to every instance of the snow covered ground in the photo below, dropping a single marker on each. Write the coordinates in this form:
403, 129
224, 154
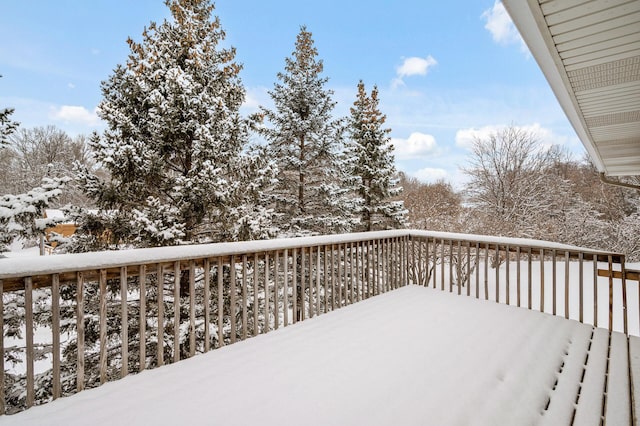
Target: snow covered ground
411, 356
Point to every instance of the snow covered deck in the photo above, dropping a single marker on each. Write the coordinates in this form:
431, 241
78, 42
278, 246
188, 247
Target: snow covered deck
413, 355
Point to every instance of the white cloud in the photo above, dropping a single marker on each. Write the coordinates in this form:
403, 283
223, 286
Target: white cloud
430, 175
413, 66
416, 146
75, 114
71, 85
546, 136
501, 27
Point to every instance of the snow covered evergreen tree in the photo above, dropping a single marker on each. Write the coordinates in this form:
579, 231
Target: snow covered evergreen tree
22, 215
372, 165
6, 125
175, 142
306, 142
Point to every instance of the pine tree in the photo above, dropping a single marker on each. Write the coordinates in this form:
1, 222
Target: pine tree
6, 125
372, 165
175, 142
306, 143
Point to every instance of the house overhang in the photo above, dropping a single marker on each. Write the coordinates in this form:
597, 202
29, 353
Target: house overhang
589, 52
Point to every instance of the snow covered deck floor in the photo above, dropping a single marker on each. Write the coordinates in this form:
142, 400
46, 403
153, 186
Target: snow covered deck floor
410, 356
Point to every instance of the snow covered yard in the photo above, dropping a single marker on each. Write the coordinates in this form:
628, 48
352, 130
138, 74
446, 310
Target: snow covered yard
410, 356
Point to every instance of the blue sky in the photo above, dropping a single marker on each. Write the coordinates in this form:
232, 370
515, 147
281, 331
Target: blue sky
446, 71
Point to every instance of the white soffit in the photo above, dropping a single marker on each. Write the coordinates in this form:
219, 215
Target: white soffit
589, 51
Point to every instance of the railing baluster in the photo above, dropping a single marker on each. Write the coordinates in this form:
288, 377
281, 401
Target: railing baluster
553, 279
244, 297
610, 265
351, 276
468, 268
30, 355
442, 265
529, 279
581, 279
124, 321
103, 325
276, 290
232, 298
294, 285
317, 298
256, 299
207, 304
267, 315
192, 307
450, 266
334, 285
459, 268
160, 343
595, 291
325, 281
566, 284
497, 265
486, 271
55, 332
176, 311
541, 280
303, 297
518, 280
285, 285
624, 297
341, 287
220, 294
143, 317
477, 274
507, 252
2, 389
80, 330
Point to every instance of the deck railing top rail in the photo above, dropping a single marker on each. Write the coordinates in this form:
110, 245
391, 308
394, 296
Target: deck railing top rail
30, 266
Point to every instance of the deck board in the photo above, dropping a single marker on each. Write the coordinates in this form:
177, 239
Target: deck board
618, 404
589, 408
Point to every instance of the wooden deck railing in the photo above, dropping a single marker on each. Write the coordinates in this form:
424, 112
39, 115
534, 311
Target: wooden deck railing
76, 321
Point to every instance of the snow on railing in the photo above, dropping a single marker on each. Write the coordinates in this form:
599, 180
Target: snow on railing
66, 317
